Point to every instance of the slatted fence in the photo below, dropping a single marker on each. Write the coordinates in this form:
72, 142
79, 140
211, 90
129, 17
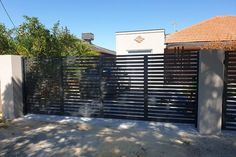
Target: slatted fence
160, 87
229, 104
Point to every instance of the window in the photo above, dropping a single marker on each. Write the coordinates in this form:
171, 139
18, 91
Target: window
147, 51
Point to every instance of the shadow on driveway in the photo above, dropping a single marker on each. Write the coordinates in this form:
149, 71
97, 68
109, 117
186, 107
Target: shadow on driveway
40, 135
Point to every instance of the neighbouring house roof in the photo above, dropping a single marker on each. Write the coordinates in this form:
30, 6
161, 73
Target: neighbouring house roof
219, 28
103, 50
89, 37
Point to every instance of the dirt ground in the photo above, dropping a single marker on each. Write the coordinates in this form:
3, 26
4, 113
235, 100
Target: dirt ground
61, 136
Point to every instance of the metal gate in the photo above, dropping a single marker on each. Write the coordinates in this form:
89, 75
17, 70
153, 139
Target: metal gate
229, 97
160, 87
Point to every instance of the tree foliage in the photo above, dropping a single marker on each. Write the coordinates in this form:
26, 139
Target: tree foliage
6, 41
33, 39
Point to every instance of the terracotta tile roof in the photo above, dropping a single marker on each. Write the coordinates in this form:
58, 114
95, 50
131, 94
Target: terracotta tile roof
219, 28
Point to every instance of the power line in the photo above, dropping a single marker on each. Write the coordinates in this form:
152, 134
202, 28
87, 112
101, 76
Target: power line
4, 8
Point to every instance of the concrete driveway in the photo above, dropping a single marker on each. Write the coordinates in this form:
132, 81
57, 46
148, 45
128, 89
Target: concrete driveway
40, 135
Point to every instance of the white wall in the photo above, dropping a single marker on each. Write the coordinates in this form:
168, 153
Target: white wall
152, 40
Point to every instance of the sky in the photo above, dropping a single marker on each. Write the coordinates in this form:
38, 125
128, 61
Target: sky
105, 17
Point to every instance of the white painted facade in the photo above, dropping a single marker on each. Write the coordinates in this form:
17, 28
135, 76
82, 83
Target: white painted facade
140, 42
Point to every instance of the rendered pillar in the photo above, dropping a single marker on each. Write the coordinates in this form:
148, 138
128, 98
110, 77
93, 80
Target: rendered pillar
11, 78
210, 91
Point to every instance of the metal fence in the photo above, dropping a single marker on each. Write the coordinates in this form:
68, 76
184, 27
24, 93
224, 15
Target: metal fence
229, 104
160, 87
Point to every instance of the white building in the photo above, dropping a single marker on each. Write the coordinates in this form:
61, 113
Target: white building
140, 42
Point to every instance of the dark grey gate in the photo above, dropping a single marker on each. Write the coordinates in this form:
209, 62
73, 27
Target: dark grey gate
147, 87
229, 104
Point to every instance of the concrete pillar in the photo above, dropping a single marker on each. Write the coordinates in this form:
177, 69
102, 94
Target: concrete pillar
210, 91
0, 99
11, 78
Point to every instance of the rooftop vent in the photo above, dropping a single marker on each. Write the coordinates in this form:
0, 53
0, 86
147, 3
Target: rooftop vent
89, 37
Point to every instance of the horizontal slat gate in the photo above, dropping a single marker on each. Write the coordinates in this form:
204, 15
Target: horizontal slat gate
81, 85
147, 87
123, 96
42, 85
229, 104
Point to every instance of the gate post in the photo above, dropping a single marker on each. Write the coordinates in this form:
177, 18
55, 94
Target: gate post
11, 79
101, 86
145, 87
210, 91
61, 62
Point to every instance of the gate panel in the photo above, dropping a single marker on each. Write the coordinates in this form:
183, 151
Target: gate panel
123, 89
81, 86
159, 87
42, 85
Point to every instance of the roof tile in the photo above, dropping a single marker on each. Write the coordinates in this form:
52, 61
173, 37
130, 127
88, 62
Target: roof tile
219, 28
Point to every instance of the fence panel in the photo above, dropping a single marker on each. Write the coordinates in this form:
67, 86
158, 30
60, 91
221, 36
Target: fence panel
229, 104
172, 87
160, 87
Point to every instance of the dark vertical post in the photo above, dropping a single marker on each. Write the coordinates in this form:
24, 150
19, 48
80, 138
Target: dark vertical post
61, 86
181, 59
225, 89
24, 84
101, 88
145, 87
197, 83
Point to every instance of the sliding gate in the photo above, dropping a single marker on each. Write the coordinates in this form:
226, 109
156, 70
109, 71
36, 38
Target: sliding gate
160, 87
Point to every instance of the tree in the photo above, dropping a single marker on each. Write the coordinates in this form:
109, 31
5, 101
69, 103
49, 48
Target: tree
33, 39
6, 42
68, 44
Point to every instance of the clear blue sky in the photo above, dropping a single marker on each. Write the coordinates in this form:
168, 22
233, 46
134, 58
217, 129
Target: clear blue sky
105, 17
